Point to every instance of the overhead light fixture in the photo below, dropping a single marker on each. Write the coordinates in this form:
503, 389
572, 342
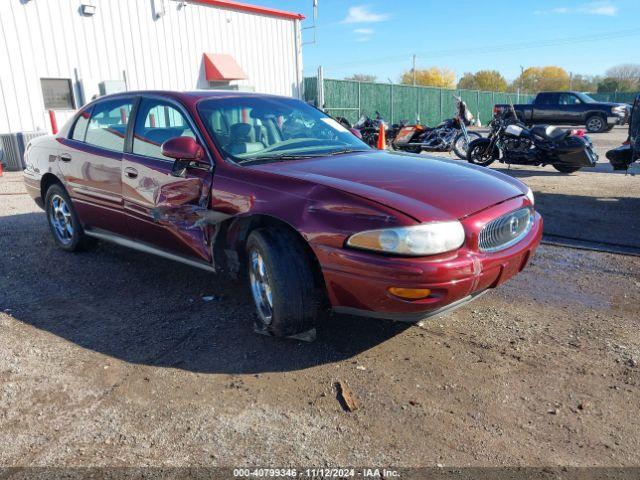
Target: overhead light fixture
88, 8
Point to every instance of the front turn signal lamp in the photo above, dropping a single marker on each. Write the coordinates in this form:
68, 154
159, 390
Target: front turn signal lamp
410, 293
417, 240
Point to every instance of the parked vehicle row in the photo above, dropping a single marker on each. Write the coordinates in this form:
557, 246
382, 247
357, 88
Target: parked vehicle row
447, 136
569, 108
274, 191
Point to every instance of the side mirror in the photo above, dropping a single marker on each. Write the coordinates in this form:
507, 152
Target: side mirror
184, 150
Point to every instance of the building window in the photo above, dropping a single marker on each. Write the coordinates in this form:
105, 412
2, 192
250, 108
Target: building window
57, 93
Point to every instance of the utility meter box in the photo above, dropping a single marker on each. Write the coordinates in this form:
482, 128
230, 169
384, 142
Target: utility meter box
107, 87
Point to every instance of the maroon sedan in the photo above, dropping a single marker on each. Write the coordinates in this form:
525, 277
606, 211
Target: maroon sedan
271, 189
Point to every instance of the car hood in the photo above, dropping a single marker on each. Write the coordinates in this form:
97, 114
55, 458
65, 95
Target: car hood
423, 187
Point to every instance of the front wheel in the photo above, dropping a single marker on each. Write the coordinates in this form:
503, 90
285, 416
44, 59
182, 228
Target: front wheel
460, 145
288, 295
566, 168
596, 124
481, 153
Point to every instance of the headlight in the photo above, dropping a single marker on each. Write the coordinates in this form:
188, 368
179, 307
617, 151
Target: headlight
619, 109
419, 240
529, 195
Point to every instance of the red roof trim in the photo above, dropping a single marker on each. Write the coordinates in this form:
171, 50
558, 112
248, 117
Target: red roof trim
245, 7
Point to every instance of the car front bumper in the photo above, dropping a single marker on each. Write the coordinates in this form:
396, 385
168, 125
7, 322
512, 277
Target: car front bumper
616, 119
358, 282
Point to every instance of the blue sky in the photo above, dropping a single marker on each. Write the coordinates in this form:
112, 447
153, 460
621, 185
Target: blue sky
379, 37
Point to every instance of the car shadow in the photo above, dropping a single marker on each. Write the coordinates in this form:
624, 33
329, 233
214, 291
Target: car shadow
146, 310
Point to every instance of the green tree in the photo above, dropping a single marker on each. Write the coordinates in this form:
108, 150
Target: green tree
431, 77
585, 83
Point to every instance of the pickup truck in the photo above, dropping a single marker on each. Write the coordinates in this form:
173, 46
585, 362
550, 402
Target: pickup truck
569, 108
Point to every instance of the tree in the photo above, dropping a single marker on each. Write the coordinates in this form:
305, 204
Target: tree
362, 77
585, 83
489, 80
431, 77
627, 75
611, 85
536, 79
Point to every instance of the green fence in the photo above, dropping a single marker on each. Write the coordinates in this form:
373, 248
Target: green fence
619, 97
351, 99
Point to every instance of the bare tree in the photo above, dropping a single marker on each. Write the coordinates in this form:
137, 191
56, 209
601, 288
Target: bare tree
627, 75
362, 77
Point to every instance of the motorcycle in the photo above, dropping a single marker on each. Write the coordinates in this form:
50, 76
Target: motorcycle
512, 143
369, 128
452, 134
622, 157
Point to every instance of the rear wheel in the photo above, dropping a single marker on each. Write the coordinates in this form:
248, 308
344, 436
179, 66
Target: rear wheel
63, 220
460, 145
288, 295
596, 124
566, 168
480, 152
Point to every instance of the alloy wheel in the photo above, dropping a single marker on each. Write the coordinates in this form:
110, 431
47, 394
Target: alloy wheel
595, 124
261, 286
61, 220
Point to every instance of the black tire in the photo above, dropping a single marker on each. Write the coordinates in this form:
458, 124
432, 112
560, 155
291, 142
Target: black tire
596, 124
60, 211
297, 294
461, 150
566, 168
478, 153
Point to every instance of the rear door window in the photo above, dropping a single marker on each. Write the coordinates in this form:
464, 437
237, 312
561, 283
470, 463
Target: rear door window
108, 125
80, 128
156, 122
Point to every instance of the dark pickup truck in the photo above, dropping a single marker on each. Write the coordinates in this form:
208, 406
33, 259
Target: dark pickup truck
569, 108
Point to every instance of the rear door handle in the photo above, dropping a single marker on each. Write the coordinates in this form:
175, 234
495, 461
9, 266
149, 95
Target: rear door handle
131, 172
65, 157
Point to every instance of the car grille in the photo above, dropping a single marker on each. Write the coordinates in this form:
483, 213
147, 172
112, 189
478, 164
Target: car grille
505, 231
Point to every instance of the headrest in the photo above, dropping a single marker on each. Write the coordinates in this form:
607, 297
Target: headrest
240, 130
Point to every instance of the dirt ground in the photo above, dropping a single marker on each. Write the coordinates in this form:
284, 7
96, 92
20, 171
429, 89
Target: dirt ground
113, 357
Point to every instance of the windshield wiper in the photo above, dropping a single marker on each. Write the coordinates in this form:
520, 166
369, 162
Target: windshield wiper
294, 156
280, 156
346, 150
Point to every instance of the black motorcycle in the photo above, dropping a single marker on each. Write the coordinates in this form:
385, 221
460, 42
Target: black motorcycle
369, 128
622, 157
512, 143
450, 135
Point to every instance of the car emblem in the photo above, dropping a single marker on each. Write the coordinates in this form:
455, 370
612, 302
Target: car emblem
513, 226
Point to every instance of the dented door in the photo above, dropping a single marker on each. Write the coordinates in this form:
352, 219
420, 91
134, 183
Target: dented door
163, 210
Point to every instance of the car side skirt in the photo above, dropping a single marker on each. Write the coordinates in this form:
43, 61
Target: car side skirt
143, 247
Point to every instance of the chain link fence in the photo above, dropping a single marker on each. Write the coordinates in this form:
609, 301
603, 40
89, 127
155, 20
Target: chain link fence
351, 99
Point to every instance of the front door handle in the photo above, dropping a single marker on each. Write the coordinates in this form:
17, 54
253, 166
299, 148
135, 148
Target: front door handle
131, 172
65, 157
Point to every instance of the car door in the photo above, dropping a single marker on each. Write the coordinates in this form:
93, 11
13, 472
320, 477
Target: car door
545, 109
91, 162
571, 108
163, 210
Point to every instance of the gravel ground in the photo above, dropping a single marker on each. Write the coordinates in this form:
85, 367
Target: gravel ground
113, 357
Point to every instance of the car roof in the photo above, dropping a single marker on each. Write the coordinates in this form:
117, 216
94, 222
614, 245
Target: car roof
192, 96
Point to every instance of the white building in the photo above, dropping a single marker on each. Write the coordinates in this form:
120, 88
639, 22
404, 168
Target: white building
59, 54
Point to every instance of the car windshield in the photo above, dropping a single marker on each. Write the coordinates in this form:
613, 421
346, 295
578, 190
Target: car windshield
585, 98
262, 129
